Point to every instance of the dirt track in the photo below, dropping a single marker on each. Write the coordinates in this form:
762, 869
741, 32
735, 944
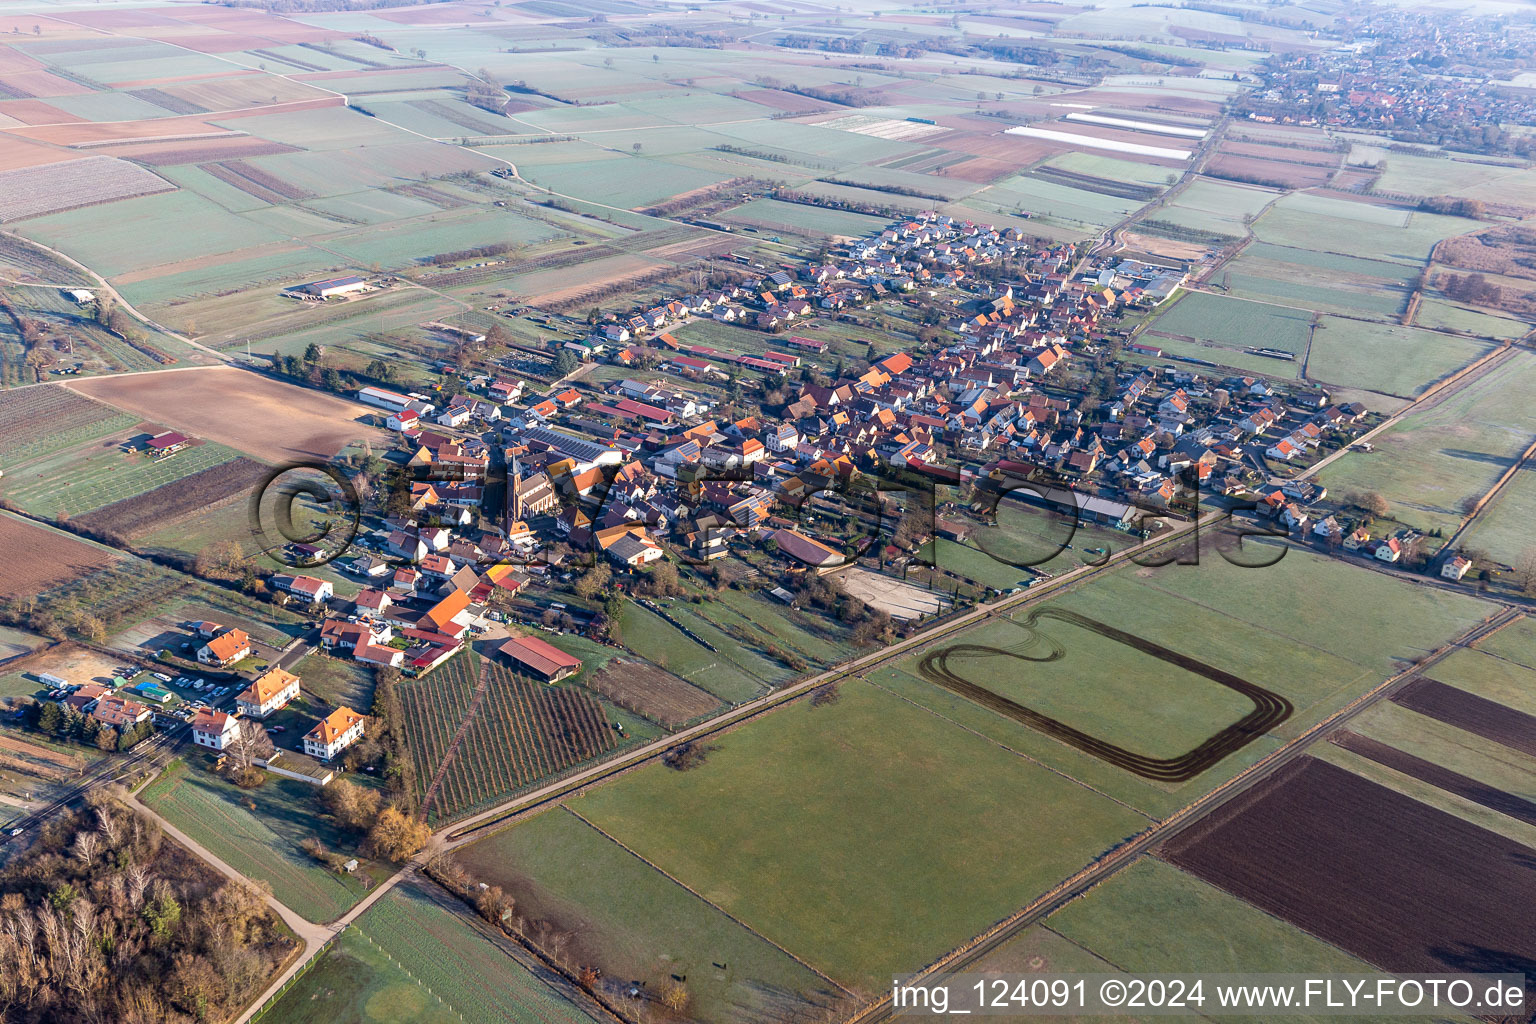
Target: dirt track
1269, 709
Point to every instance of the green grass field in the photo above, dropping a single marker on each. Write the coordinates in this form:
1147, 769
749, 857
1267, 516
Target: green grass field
1154, 918
1434, 459
1311, 221
258, 833
1099, 686
1295, 627
771, 214
1438, 313
407, 960
1386, 358
659, 642
1515, 643
1501, 528
863, 853
634, 922
1234, 322
973, 564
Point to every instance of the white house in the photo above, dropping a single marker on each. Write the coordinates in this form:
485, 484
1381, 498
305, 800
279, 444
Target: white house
333, 734
1455, 568
214, 729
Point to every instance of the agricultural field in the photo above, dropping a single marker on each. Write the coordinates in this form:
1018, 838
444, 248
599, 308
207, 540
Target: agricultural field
1292, 628
411, 960
258, 831
87, 479
163, 506
39, 558
480, 733
1217, 207
1502, 530
1309, 221
39, 421
829, 777
1435, 313
1476, 757
1230, 323
1325, 281
1386, 358
273, 421
635, 923
772, 214
1348, 861
663, 645
75, 183
1437, 458
1153, 917
647, 690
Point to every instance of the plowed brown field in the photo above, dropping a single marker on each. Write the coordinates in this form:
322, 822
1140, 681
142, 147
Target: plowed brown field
1396, 882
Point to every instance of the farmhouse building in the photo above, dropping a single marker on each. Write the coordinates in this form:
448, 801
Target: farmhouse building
334, 288
225, 649
271, 691
334, 733
806, 549
306, 588
534, 656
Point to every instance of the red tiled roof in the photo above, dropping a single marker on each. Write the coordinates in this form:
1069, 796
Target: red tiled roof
540, 656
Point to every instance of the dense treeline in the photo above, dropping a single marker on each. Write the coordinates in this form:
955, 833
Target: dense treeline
103, 919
